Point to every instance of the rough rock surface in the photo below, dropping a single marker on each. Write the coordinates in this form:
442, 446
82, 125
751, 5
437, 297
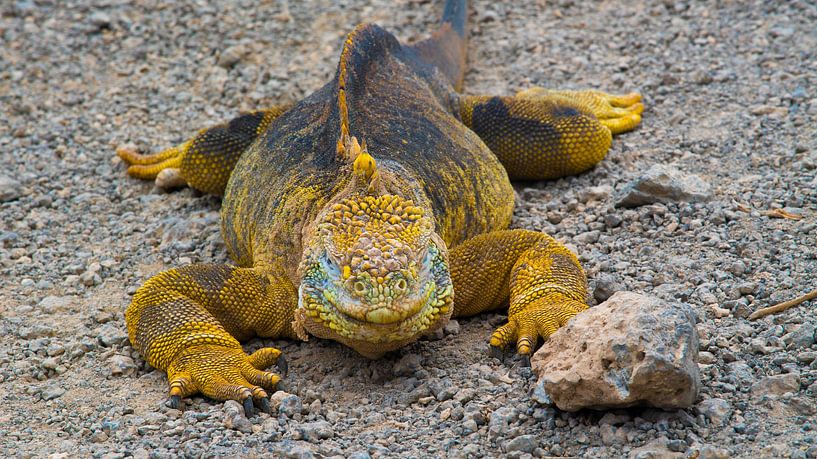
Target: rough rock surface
630, 350
663, 184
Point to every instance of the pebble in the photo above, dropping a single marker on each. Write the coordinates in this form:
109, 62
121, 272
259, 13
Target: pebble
112, 335
777, 384
290, 405
663, 184
52, 392
522, 443
313, 431
10, 189
717, 410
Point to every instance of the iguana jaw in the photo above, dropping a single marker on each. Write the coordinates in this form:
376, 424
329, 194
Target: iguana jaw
374, 277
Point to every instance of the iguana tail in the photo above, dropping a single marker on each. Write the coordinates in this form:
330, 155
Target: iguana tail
446, 47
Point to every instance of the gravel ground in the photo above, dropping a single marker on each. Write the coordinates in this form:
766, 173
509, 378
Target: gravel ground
730, 94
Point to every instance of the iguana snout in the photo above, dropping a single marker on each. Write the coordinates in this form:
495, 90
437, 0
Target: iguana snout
374, 277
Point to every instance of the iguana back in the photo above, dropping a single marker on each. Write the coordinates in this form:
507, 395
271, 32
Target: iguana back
403, 106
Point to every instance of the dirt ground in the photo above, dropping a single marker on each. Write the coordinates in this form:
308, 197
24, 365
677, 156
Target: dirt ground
730, 93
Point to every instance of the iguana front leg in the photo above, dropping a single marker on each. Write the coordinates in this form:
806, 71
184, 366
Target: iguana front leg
543, 134
541, 279
188, 321
206, 161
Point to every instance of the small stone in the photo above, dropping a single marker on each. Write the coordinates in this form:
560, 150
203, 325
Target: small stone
169, 179
52, 304
290, 405
720, 312
111, 335
315, 431
523, 443
663, 184
706, 358
10, 189
231, 56
777, 384
122, 365
99, 436
606, 286
539, 395
712, 452
452, 327
717, 410
803, 337
52, 392
407, 365
49, 363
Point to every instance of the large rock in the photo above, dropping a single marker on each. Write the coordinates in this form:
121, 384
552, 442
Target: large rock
663, 184
630, 350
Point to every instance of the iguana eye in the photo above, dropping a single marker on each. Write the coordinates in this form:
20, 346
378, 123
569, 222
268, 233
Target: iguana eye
359, 287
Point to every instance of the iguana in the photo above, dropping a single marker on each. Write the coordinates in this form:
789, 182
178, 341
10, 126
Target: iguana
370, 213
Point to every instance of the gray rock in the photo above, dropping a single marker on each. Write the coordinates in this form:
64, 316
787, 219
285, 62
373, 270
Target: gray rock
452, 327
112, 335
522, 443
290, 405
407, 365
314, 431
10, 189
52, 304
630, 350
53, 391
741, 372
232, 56
663, 184
235, 418
122, 365
777, 384
717, 410
606, 286
803, 337
713, 452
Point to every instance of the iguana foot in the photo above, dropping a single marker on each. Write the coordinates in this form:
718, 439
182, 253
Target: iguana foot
206, 161
149, 167
225, 373
541, 134
619, 113
539, 319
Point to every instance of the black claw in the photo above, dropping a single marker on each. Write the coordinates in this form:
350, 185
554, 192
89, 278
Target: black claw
526, 361
495, 352
263, 404
282, 385
283, 368
175, 402
248, 408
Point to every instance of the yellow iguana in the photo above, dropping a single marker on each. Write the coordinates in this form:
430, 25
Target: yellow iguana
370, 213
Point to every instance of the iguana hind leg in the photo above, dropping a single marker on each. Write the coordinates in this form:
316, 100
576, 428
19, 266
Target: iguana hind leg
188, 321
540, 278
543, 134
206, 161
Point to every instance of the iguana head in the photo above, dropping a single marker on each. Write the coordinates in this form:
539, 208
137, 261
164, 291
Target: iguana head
375, 276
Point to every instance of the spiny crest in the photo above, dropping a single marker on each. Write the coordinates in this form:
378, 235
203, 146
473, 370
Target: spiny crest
348, 148
376, 234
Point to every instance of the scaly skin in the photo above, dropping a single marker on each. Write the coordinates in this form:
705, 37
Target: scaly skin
371, 242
